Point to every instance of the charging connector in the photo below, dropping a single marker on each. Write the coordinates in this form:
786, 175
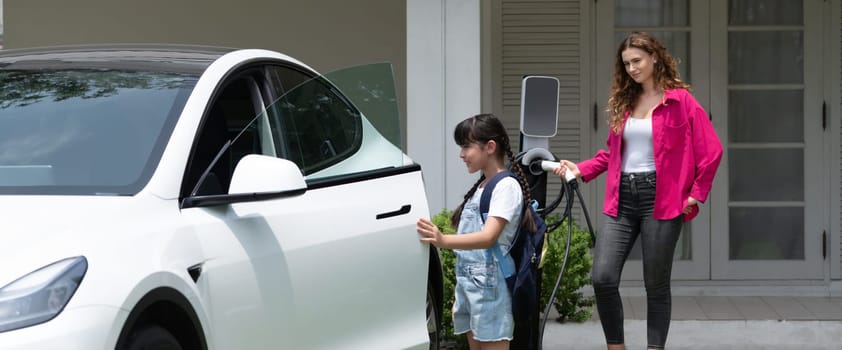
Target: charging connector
549, 166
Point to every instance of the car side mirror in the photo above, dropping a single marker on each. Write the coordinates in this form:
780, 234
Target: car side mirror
256, 178
259, 174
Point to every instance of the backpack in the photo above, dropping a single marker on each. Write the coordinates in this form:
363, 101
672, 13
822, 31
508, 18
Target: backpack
524, 282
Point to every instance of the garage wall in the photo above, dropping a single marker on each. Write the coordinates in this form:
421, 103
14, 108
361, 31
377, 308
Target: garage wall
326, 34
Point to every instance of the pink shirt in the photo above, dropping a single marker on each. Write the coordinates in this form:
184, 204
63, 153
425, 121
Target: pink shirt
687, 153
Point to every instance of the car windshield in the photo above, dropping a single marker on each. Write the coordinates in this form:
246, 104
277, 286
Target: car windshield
85, 131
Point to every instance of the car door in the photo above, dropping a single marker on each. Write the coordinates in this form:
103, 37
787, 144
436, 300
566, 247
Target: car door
338, 266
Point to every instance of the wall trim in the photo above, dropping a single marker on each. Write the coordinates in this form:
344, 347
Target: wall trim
832, 91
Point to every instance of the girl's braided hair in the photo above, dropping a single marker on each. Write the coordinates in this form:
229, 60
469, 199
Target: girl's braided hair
480, 129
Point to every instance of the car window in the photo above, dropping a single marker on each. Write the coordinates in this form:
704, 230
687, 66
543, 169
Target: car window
324, 132
309, 122
285, 78
229, 118
318, 127
85, 131
371, 88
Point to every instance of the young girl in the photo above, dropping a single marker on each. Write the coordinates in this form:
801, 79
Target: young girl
483, 308
661, 159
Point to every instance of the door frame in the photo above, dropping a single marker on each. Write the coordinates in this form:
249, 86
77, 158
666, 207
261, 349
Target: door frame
811, 268
833, 97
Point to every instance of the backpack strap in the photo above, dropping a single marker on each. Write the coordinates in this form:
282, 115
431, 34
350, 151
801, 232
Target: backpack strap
485, 198
498, 254
484, 204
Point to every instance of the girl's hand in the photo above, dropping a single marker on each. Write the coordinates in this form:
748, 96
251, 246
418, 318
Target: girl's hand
690, 203
566, 166
429, 232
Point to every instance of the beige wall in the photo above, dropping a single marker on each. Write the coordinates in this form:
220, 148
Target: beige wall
325, 34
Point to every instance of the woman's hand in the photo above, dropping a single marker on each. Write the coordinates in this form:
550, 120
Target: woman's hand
429, 232
566, 166
690, 203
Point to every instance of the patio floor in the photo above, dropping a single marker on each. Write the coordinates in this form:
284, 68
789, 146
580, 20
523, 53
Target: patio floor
720, 322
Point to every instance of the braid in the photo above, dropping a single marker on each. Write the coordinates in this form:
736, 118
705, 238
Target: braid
457, 214
480, 129
526, 220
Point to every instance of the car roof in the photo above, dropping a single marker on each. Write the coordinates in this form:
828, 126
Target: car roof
158, 58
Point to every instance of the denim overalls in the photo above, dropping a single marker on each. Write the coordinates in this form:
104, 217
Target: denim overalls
483, 304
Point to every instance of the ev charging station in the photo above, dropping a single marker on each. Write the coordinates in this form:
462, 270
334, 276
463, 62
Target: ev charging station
538, 123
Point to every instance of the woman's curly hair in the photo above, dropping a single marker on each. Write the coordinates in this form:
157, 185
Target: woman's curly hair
625, 91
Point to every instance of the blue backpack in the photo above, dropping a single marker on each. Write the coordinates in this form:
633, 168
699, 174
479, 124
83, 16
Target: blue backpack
526, 251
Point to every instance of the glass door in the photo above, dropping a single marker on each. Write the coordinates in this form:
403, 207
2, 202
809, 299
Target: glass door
682, 25
766, 104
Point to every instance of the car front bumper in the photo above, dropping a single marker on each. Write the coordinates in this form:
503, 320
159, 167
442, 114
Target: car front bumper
84, 328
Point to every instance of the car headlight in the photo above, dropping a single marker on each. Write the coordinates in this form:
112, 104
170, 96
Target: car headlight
40, 295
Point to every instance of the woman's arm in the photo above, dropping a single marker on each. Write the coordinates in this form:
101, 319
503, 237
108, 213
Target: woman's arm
587, 169
591, 168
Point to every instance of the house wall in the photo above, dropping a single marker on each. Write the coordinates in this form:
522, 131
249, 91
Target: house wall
444, 85
325, 34
548, 38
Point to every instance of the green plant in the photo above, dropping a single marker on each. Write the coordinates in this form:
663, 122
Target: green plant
570, 304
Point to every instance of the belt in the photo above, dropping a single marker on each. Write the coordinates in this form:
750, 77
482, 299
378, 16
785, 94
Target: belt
643, 174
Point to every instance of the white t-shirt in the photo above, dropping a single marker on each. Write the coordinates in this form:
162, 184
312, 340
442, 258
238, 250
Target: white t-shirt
506, 203
638, 153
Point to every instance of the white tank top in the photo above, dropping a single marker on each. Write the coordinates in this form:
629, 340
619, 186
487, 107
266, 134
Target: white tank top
638, 155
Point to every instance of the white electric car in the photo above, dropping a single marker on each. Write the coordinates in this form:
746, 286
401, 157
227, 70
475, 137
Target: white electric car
202, 198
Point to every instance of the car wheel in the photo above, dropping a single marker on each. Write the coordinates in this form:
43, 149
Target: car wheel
152, 337
433, 322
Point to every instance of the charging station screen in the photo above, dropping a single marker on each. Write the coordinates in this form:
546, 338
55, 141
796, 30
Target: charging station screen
539, 106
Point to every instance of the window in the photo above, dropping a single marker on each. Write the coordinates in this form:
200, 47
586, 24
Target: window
308, 122
230, 118
85, 131
318, 127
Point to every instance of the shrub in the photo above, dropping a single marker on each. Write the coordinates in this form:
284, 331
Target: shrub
570, 303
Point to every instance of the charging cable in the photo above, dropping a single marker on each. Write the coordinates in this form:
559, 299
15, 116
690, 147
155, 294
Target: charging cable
569, 186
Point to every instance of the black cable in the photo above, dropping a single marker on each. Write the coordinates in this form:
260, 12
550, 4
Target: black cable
566, 188
549, 208
585, 211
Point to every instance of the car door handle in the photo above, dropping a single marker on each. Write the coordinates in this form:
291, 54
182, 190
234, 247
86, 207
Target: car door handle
403, 210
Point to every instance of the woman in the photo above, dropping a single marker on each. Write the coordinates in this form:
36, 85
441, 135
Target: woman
662, 156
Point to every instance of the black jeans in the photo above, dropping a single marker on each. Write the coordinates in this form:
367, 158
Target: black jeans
613, 244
